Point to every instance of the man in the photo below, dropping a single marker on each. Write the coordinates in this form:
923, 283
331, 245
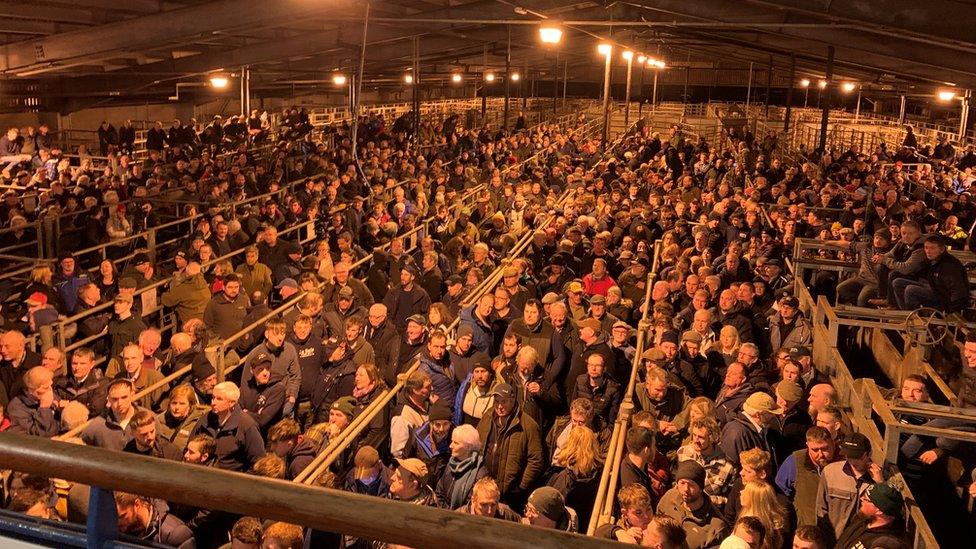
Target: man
680, 369
125, 327
735, 390
810, 537
879, 522
485, 502
719, 473
284, 357
140, 376
942, 284
111, 429
431, 442
409, 483
799, 476
906, 259
820, 396
407, 299
236, 436
512, 445
410, 412
641, 451
150, 520
144, 440
810, 377
262, 397
480, 318
16, 360
83, 383
188, 294
689, 505
730, 314
537, 397
546, 508
591, 340
225, 313
254, 276
463, 354
36, 411
663, 532
794, 421
603, 392
665, 400
844, 482
751, 427
636, 511
383, 337
435, 362
788, 327
548, 344
69, 281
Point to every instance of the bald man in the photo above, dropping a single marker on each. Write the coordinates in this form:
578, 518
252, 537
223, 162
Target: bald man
16, 360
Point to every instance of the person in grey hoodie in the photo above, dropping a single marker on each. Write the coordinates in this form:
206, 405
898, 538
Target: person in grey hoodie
284, 362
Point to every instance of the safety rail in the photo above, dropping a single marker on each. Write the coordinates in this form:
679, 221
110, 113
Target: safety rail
606, 494
320, 509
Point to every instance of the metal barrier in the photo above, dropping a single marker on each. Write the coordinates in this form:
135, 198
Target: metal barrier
321, 509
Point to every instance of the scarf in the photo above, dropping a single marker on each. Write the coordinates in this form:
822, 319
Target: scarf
465, 473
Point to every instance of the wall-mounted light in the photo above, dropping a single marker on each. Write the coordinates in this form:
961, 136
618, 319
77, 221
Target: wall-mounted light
804, 83
339, 79
822, 84
489, 77
946, 95
456, 78
605, 49
641, 59
628, 55
848, 87
515, 77
408, 78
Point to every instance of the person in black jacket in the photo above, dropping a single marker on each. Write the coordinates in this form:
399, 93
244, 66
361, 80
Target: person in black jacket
603, 392
150, 520
943, 283
263, 397
83, 383
237, 439
751, 428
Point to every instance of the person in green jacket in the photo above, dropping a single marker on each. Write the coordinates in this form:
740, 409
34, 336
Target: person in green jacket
188, 294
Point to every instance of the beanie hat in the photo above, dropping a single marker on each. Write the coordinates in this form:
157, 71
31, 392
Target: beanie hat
346, 405
201, 368
690, 470
440, 410
548, 502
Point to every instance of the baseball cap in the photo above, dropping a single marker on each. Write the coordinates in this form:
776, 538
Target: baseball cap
510, 271
855, 446
415, 467
503, 390
346, 292
366, 458
790, 301
762, 402
574, 287
140, 258
886, 498
417, 319
37, 298
620, 324
798, 352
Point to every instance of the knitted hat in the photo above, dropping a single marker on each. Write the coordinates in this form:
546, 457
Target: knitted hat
690, 470
440, 410
202, 369
346, 405
548, 502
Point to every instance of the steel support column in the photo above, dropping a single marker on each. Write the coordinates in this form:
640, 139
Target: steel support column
825, 104
789, 94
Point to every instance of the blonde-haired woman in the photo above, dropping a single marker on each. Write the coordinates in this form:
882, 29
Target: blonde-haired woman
759, 500
579, 479
42, 280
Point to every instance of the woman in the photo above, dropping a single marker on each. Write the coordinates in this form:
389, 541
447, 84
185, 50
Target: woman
698, 407
438, 317
221, 269
465, 467
181, 415
369, 385
759, 500
41, 281
580, 477
323, 262
107, 279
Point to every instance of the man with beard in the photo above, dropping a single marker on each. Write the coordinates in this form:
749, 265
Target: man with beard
592, 340
144, 440
463, 355
435, 362
689, 505
284, 362
799, 476
431, 442
148, 520
407, 299
512, 445
383, 337
879, 522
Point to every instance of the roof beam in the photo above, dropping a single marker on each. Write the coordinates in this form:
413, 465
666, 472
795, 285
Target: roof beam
14, 10
38, 55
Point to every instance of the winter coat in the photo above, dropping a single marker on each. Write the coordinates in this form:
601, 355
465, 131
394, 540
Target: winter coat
482, 337
401, 304
800, 336
513, 454
579, 491
284, 365
189, 296
386, 349
225, 317
28, 418
444, 382
704, 528
454, 486
177, 431
254, 278
237, 441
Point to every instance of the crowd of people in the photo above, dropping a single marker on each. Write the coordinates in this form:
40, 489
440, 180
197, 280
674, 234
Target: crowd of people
510, 391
